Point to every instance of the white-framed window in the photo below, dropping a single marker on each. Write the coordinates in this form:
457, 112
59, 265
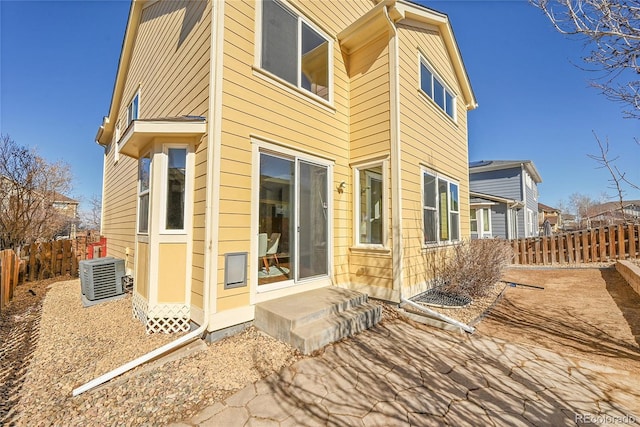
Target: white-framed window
433, 86
133, 109
144, 187
175, 188
480, 221
293, 50
370, 204
441, 209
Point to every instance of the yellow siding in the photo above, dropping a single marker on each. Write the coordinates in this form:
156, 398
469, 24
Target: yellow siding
142, 270
256, 105
429, 138
170, 67
172, 265
370, 137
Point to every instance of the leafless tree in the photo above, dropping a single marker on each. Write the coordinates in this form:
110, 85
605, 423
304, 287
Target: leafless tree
618, 178
582, 205
28, 188
91, 217
611, 29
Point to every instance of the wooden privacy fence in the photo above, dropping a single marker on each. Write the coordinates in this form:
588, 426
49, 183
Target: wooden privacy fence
42, 261
610, 243
9, 269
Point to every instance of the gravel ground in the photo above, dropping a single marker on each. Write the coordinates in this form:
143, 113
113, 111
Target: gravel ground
78, 344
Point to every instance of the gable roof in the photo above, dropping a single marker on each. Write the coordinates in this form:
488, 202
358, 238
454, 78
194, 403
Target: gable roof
392, 12
492, 165
546, 208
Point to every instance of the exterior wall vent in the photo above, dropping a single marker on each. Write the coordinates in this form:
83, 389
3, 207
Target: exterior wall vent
235, 270
101, 280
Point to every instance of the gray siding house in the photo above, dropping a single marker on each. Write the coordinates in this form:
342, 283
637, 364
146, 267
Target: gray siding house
504, 198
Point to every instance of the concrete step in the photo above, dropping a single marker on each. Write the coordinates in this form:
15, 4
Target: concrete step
315, 335
279, 316
331, 307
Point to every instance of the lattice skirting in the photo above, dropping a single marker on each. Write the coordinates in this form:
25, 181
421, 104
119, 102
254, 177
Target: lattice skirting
165, 318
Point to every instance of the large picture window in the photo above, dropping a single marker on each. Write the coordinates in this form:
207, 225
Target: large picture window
293, 51
144, 180
435, 89
441, 209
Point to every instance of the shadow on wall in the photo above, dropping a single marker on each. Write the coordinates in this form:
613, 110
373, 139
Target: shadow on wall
194, 10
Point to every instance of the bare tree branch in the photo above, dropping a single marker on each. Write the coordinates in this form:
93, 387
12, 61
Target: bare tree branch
612, 29
29, 186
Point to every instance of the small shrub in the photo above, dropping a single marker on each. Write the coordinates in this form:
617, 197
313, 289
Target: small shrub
474, 266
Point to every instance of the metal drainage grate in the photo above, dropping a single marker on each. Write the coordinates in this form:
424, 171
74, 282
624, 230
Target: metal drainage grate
439, 298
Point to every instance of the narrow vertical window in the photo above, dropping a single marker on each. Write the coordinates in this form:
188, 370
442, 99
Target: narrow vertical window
132, 110
176, 173
144, 175
370, 205
473, 220
454, 212
430, 206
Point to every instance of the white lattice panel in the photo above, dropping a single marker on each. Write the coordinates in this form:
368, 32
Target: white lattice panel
164, 318
168, 318
140, 307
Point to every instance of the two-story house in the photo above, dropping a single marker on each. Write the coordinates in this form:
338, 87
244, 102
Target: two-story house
260, 149
504, 198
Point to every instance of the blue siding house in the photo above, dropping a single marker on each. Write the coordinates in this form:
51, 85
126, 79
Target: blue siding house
504, 198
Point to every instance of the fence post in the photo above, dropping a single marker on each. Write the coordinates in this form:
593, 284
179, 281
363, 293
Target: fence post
632, 241
622, 254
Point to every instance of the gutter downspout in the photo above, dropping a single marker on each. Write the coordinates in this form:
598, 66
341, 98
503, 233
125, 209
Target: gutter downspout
396, 183
191, 336
439, 316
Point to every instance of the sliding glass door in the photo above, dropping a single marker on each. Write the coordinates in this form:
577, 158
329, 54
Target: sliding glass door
293, 227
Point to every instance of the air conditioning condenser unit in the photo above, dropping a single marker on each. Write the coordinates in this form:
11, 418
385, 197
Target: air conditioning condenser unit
101, 280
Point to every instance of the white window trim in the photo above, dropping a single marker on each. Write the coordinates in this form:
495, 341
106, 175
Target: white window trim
297, 88
142, 193
135, 95
188, 188
422, 60
384, 164
262, 146
449, 181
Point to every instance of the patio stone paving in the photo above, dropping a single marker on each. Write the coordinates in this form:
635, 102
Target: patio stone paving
536, 362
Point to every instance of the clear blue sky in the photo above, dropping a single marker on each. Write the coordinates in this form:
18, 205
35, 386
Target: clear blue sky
59, 59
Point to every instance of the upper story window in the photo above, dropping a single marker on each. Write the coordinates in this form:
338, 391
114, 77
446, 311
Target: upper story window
132, 109
435, 89
294, 51
441, 209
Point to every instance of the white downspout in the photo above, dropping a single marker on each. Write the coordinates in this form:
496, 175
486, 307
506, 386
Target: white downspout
439, 316
191, 336
396, 183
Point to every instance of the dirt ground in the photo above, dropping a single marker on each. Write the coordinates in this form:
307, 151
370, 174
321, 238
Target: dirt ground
590, 314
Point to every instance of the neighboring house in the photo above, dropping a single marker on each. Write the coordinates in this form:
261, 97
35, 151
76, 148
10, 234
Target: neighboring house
611, 213
505, 194
68, 209
548, 213
255, 150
